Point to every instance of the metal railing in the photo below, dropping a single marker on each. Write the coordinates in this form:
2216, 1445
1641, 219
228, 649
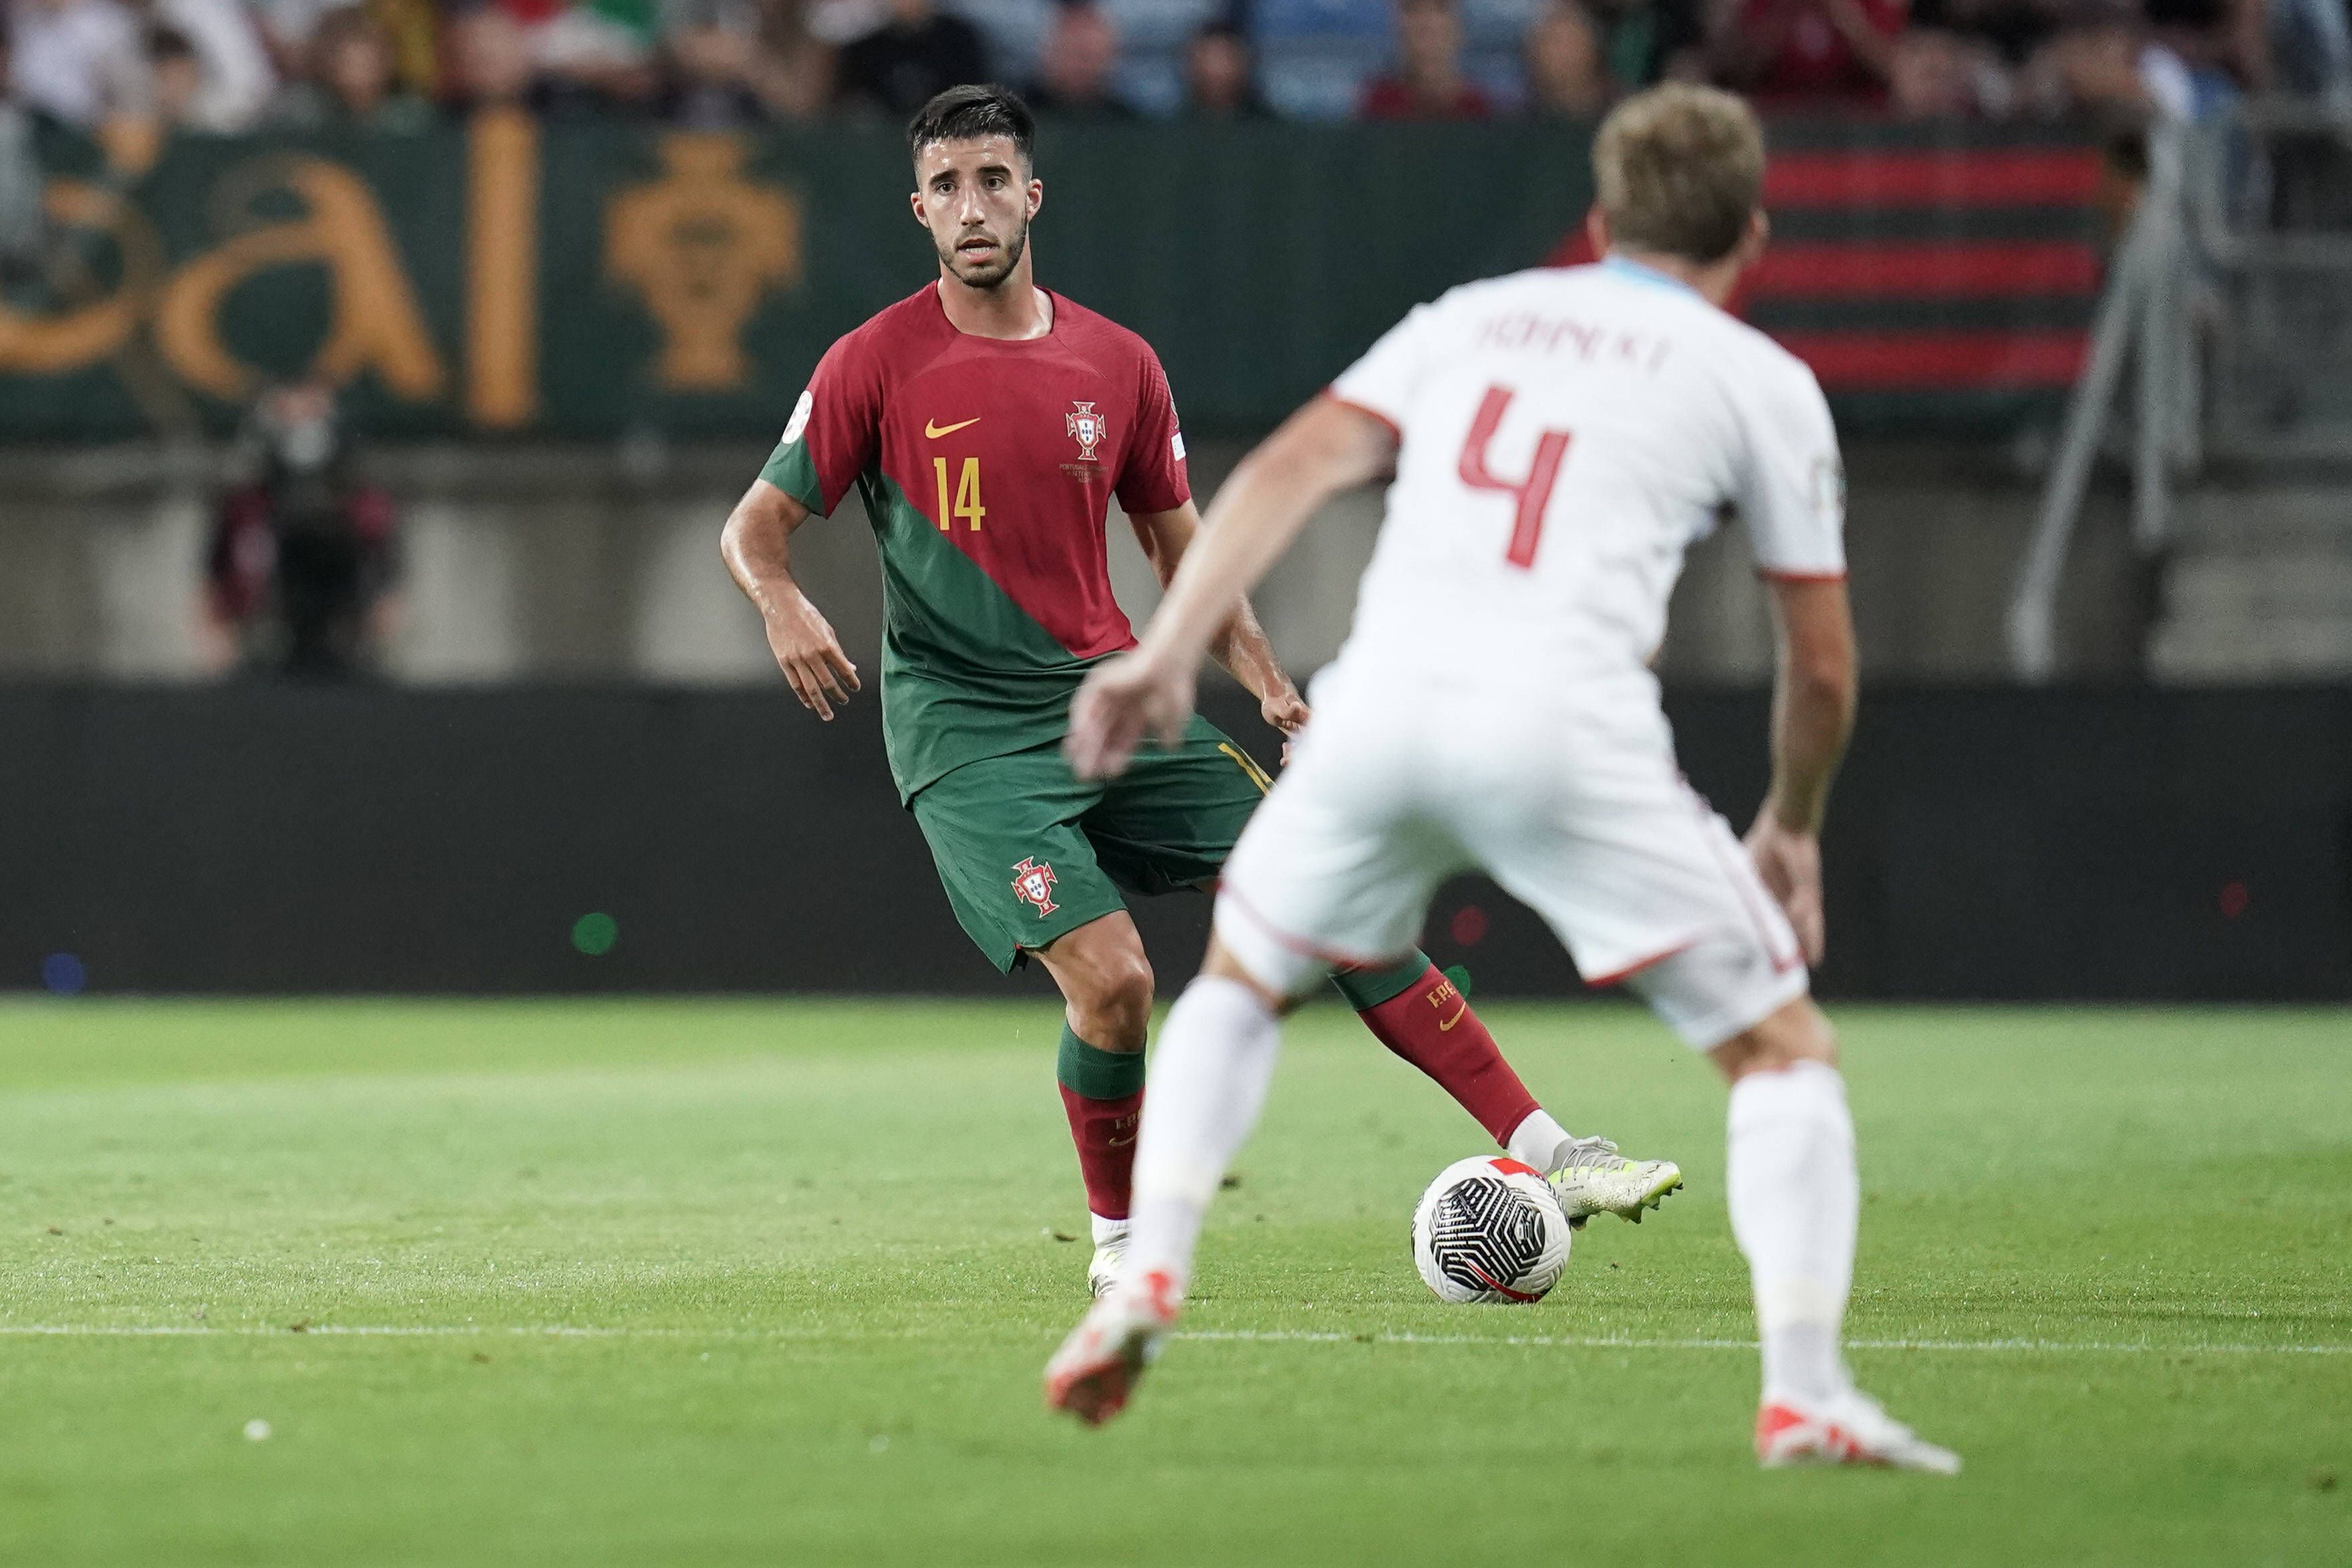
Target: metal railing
2213, 243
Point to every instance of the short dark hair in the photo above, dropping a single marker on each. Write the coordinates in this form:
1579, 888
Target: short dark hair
969, 113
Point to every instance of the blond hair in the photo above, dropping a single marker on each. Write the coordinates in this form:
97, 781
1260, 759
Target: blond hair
1679, 170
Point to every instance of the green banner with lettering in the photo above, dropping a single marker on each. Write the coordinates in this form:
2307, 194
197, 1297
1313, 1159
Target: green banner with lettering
591, 279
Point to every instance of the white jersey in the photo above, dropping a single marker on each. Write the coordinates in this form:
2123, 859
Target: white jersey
1565, 435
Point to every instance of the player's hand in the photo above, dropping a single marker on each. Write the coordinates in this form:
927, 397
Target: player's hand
810, 655
1121, 701
1286, 710
1790, 865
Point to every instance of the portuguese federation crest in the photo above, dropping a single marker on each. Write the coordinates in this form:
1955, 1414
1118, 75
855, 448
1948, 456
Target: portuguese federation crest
1033, 882
1086, 428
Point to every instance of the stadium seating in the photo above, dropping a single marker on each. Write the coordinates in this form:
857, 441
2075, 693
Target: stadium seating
1492, 34
1015, 31
1315, 55
1152, 35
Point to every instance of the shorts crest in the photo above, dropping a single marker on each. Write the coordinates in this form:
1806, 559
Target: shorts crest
1033, 883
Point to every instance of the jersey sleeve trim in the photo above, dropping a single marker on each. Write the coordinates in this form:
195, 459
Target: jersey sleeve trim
789, 468
1344, 401
1775, 574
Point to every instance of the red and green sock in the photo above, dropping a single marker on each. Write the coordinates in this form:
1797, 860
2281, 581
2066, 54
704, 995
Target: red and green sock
1424, 1014
1417, 1010
1102, 1092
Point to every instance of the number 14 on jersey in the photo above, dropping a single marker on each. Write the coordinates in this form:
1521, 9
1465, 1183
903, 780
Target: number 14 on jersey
967, 494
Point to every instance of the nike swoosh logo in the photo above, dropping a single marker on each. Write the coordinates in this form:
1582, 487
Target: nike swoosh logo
1120, 1142
936, 431
1456, 1018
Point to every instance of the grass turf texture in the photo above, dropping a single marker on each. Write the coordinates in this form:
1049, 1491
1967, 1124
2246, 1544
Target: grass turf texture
816, 1242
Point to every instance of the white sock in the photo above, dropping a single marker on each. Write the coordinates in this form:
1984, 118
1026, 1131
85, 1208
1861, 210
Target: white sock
1795, 1201
1208, 1084
1107, 1230
1538, 1141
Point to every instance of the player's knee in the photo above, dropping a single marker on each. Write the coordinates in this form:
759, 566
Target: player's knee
1121, 999
1797, 1033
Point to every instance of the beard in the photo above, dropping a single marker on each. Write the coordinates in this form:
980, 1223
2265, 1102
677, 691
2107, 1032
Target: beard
988, 273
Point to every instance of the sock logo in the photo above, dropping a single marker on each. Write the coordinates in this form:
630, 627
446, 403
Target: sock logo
1033, 883
1443, 993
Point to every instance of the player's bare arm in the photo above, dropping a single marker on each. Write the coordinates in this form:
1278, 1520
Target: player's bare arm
756, 546
1813, 700
1324, 448
1242, 647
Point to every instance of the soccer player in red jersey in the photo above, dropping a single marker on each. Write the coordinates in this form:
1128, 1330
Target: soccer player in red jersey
987, 424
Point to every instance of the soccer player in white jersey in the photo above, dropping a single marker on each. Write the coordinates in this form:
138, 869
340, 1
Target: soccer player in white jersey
1559, 437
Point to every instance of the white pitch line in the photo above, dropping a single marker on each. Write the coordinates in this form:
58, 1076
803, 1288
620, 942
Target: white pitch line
1244, 1336
1603, 1342
382, 1330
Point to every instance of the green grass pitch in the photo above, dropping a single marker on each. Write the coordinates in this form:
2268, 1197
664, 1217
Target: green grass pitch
681, 1283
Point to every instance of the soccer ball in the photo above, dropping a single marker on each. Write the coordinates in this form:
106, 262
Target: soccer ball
1490, 1229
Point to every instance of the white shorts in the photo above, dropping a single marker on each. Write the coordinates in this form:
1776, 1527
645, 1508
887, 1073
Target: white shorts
1579, 812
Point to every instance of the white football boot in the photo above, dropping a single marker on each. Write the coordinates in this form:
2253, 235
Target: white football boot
1097, 1369
1851, 1428
1593, 1177
1110, 1252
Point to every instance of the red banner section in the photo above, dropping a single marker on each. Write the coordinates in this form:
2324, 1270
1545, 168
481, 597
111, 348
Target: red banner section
1941, 177
1992, 301
1950, 269
1995, 302
1990, 289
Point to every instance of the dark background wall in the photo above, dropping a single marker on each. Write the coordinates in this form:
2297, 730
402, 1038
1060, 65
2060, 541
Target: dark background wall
1985, 843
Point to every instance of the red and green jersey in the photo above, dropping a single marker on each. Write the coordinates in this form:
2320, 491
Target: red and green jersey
987, 468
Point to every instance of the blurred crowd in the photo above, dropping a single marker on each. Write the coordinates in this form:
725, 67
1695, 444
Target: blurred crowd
226, 66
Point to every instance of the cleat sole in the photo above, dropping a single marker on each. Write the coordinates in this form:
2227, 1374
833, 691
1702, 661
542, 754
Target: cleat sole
1095, 1395
1100, 1388
1655, 1200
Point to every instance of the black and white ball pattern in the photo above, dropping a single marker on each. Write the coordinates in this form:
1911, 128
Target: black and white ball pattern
1490, 1229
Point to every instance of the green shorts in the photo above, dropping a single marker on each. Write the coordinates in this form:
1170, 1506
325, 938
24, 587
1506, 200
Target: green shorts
1027, 852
